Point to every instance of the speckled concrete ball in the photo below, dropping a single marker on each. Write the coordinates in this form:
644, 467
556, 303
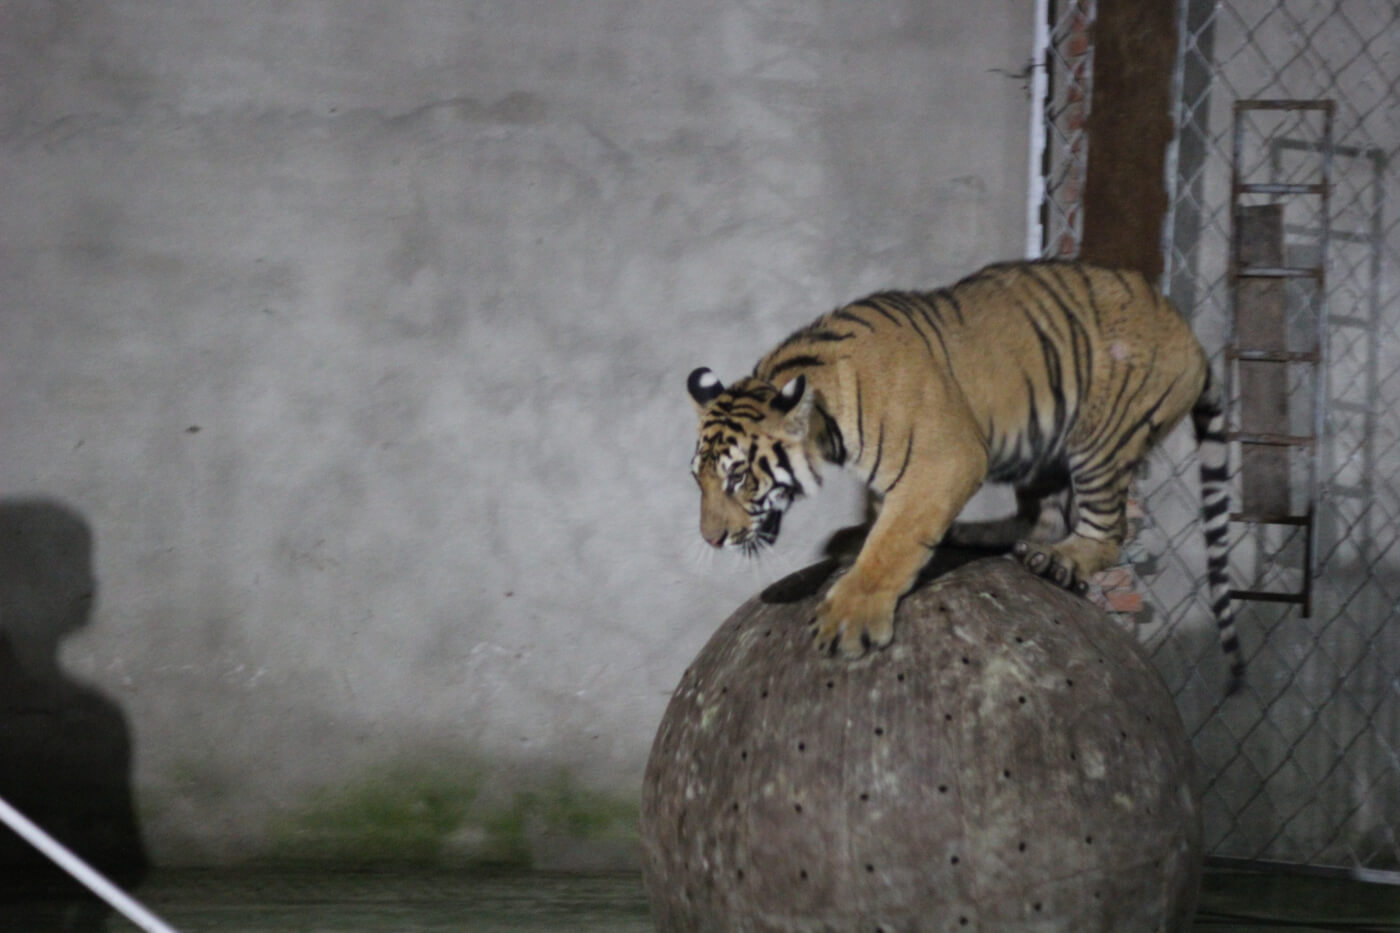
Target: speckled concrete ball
1011, 762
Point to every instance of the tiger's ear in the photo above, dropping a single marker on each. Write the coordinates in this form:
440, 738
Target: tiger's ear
704, 387
795, 403
789, 395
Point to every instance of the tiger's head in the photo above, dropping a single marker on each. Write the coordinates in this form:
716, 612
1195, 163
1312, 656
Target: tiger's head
751, 459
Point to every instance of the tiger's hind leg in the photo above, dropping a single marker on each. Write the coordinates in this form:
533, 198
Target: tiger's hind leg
1099, 504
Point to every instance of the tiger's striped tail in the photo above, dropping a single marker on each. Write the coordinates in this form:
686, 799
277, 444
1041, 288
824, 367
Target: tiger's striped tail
1208, 418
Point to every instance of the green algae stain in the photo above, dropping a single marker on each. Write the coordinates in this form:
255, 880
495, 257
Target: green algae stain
564, 808
440, 816
401, 814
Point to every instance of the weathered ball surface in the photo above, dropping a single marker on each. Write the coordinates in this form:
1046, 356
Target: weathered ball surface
1011, 762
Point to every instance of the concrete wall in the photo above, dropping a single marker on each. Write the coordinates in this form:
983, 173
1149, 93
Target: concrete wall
356, 333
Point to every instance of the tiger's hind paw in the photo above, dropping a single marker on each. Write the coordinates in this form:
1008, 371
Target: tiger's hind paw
1045, 562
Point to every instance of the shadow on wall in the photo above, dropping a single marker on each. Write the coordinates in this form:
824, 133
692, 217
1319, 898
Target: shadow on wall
65, 750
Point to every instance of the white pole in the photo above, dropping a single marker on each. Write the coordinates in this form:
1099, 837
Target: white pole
81, 870
1040, 83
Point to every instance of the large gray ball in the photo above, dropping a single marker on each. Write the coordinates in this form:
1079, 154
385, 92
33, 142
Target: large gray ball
1011, 762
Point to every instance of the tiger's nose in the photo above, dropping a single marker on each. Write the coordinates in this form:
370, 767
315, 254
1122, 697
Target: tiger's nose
717, 541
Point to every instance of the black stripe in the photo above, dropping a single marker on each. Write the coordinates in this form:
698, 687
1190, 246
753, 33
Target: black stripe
929, 312
835, 441
952, 299
1106, 529
749, 398
1107, 486
1082, 353
1123, 280
1210, 474
879, 452
1054, 292
845, 314
909, 309
876, 304
1039, 313
1080, 343
814, 332
785, 464
908, 450
1090, 292
781, 456
1097, 506
1051, 342
732, 425
1054, 376
1145, 423
1031, 432
795, 362
1112, 426
827, 336
860, 420
905, 303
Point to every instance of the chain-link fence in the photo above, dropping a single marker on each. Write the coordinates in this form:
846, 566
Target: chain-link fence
1303, 767
1069, 69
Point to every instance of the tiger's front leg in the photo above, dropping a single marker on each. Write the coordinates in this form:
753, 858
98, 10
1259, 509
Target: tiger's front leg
858, 611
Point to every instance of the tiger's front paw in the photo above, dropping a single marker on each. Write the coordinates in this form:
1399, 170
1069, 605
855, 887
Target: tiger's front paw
850, 622
1045, 562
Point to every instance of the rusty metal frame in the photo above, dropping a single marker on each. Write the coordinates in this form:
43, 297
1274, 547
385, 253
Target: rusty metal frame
1315, 357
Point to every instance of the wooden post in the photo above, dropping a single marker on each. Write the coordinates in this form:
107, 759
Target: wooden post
1261, 323
1129, 128
1125, 197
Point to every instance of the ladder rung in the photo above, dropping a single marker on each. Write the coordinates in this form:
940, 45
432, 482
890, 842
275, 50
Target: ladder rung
1333, 234
1272, 356
1272, 440
1349, 492
1336, 320
1274, 103
1266, 596
1351, 408
1259, 518
1349, 236
1280, 188
1279, 272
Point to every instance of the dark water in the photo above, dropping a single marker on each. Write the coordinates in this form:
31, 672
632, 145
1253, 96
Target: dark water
387, 902
336, 902
1235, 902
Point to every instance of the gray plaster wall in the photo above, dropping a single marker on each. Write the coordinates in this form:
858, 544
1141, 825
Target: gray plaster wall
356, 333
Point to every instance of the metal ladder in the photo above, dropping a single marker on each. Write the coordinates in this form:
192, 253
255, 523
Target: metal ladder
1257, 353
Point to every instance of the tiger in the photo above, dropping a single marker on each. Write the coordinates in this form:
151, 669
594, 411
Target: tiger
1053, 376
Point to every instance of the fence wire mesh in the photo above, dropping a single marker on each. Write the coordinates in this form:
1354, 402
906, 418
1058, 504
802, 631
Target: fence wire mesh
1303, 766
1069, 66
